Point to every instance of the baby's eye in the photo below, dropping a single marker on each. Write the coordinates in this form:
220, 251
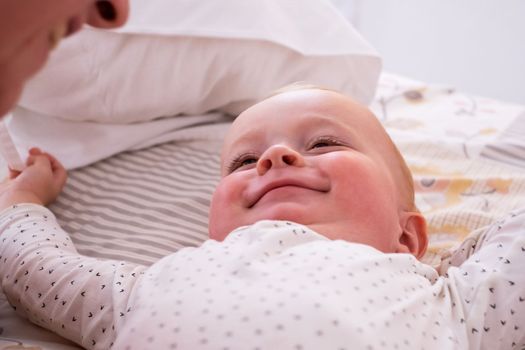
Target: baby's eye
324, 142
241, 161
247, 161
321, 144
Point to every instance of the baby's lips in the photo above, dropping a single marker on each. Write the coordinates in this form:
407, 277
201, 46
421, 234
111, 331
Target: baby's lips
310, 181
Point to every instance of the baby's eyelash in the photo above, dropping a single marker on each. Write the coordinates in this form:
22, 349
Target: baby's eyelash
330, 140
238, 161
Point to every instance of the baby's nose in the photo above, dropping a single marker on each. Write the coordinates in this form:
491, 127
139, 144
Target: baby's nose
278, 156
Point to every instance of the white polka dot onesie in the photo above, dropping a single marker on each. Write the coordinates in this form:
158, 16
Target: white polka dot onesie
273, 285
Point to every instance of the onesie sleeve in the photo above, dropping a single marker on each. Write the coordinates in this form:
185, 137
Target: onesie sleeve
45, 279
489, 287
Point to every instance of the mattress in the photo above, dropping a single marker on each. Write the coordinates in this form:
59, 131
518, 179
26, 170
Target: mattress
467, 155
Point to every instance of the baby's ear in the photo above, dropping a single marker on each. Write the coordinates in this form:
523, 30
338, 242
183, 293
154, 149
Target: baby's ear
413, 238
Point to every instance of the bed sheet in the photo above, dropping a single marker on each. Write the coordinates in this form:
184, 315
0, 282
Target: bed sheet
467, 155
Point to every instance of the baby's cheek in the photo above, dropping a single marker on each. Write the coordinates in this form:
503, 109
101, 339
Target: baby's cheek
363, 183
223, 209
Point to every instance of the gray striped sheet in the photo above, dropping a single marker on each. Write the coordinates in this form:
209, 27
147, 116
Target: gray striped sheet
140, 206
510, 147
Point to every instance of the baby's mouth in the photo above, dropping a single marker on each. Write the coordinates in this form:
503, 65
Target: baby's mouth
253, 197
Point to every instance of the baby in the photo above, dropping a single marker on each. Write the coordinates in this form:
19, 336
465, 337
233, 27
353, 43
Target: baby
314, 245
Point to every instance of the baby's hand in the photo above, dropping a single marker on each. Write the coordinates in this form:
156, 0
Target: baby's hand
40, 182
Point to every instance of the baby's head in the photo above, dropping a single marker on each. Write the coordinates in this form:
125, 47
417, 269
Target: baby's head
318, 158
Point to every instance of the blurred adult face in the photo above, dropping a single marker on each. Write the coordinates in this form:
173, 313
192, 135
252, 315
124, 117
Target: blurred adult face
30, 29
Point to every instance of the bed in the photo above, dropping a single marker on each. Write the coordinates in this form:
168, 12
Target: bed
467, 155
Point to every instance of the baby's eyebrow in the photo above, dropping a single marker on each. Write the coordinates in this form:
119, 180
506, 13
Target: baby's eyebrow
244, 141
250, 139
329, 124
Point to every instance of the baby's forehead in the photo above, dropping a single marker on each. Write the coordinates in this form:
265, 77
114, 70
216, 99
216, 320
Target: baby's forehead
311, 107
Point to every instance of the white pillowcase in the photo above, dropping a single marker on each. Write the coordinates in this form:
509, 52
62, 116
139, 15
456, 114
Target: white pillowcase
190, 57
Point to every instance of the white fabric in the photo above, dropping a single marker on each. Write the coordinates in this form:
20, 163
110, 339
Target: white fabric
77, 144
8, 150
270, 284
182, 56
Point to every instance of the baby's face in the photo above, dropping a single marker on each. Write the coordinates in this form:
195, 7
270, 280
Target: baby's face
313, 157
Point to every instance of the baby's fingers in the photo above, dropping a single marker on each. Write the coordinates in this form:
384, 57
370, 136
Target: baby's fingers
13, 173
35, 151
31, 159
55, 163
59, 172
39, 161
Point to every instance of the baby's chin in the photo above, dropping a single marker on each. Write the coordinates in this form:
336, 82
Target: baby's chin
297, 212
219, 232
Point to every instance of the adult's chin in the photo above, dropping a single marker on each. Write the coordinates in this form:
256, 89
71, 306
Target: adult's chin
9, 96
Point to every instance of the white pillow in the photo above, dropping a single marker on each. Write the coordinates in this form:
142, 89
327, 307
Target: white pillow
186, 56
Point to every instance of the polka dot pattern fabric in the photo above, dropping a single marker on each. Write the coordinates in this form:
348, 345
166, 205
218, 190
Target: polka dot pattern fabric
272, 285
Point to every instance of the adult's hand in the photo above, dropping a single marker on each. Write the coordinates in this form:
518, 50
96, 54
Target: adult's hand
29, 30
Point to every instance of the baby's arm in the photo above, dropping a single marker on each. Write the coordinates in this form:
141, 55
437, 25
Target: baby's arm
43, 276
490, 287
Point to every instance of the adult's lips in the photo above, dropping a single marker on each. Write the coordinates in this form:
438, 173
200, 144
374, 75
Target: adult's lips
75, 24
263, 186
